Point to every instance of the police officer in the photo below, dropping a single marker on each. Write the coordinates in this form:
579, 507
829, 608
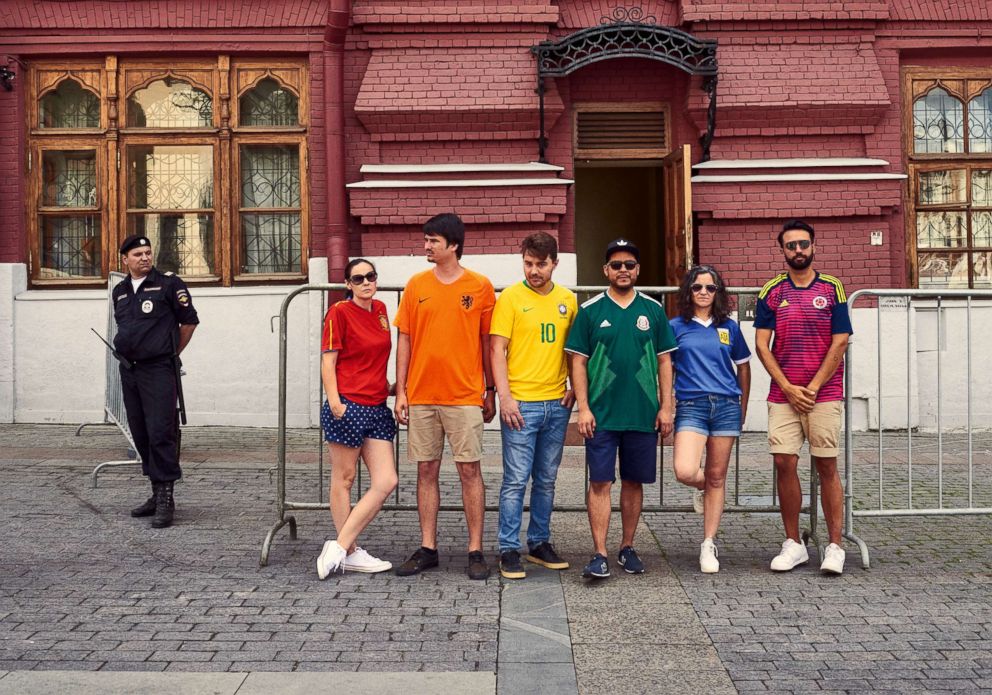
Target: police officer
155, 321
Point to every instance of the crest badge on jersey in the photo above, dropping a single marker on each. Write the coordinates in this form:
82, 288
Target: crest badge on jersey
724, 334
147, 306
467, 301
562, 310
383, 322
643, 323
820, 302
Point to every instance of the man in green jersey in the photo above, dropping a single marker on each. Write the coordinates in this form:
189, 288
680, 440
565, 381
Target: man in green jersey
619, 347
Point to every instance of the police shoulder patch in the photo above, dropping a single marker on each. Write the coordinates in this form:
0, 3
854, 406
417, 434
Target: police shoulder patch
169, 273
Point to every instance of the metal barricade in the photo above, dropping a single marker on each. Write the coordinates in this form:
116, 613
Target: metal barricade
737, 498
923, 483
113, 399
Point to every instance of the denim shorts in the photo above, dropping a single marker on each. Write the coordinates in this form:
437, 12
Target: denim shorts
358, 423
714, 416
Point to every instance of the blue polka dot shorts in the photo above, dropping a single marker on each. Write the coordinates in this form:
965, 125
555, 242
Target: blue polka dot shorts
359, 422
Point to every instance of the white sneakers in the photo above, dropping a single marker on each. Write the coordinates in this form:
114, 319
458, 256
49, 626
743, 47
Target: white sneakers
708, 563
833, 559
697, 501
331, 559
361, 561
793, 554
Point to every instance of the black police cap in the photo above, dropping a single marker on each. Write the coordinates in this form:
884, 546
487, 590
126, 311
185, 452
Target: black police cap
133, 242
622, 245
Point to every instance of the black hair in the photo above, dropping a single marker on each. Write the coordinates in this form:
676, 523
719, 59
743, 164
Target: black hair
541, 245
721, 302
793, 225
348, 294
449, 227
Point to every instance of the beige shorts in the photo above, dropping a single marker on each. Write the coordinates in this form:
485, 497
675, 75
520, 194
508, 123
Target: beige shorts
430, 423
787, 429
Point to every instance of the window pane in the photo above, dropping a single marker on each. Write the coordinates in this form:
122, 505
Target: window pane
941, 229
270, 243
981, 188
169, 103
69, 106
983, 269
943, 269
980, 123
938, 123
981, 228
169, 177
70, 246
942, 187
183, 243
270, 176
68, 179
269, 104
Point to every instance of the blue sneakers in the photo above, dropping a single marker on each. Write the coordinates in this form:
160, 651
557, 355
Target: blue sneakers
629, 561
598, 568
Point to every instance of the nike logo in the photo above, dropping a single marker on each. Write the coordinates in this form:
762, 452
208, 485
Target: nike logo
527, 308
421, 301
605, 324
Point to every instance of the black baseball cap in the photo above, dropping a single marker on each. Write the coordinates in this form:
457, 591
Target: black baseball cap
622, 244
133, 242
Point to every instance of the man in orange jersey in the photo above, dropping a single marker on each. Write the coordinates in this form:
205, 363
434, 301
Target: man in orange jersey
444, 384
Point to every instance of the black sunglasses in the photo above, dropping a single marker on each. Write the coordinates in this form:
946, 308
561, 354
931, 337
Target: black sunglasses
801, 244
697, 288
617, 265
357, 279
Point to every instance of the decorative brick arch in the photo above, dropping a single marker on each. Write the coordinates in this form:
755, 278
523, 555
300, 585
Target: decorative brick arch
629, 34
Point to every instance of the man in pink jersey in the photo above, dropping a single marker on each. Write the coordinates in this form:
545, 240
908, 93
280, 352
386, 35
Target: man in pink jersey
807, 312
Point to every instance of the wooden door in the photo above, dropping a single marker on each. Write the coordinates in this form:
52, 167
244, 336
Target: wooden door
678, 214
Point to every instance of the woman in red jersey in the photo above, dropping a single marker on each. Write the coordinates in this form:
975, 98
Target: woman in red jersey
355, 419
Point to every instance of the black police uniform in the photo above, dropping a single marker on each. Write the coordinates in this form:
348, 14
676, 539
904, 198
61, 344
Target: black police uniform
147, 336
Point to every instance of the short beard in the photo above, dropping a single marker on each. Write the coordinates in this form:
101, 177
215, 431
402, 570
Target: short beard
796, 264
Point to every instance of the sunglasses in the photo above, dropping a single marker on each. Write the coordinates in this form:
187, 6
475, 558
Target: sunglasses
801, 244
697, 288
617, 265
358, 279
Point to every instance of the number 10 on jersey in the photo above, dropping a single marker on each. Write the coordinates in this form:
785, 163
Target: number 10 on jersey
548, 332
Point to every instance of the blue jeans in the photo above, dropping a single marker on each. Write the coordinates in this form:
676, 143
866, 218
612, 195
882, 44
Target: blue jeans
535, 450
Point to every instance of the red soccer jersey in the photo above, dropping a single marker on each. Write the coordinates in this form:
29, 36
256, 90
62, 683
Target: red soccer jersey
362, 341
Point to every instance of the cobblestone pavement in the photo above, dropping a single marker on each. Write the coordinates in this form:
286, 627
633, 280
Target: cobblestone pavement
85, 587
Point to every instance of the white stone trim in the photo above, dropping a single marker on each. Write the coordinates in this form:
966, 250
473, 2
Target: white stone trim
770, 178
791, 163
436, 168
460, 183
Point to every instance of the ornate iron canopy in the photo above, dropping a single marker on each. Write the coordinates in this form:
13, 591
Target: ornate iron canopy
628, 33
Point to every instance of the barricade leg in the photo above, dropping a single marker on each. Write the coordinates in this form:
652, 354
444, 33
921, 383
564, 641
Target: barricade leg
263, 559
814, 506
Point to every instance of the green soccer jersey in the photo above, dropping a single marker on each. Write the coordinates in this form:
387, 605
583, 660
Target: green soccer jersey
622, 345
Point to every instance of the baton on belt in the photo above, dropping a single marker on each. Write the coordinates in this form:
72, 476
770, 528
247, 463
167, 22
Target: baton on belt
120, 358
179, 381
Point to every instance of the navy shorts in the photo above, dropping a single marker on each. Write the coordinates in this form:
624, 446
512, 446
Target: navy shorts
638, 456
359, 422
714, 416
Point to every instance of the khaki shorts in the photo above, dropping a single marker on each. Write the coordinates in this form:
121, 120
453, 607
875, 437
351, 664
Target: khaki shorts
430, 423
787, 429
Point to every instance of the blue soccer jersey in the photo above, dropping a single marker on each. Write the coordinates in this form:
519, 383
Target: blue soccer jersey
704, 362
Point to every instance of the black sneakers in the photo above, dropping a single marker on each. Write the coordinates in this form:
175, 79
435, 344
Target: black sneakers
422, 559
509, 565
477, 567
544, 554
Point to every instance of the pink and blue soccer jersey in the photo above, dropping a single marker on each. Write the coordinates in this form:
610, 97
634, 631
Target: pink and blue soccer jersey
804, 320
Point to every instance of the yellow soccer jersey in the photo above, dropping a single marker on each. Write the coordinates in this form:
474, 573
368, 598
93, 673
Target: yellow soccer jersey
536, 326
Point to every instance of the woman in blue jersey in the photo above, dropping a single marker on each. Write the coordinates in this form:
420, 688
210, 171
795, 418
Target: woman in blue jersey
712, 381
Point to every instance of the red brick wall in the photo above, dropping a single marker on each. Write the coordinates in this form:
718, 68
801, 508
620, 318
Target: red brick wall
13, 243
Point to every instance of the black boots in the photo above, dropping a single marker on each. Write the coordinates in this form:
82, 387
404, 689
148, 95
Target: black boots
165, 505
146, 509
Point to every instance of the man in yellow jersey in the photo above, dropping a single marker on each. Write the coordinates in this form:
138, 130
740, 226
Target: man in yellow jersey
530, 324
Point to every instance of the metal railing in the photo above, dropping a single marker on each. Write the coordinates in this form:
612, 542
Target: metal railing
745, 298
921, 486
113, 399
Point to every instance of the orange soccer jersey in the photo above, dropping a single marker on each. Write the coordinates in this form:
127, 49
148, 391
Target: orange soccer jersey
446, 324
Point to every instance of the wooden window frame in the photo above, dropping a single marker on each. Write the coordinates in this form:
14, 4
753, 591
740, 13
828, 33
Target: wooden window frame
621, 107
964, 84
226, 79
